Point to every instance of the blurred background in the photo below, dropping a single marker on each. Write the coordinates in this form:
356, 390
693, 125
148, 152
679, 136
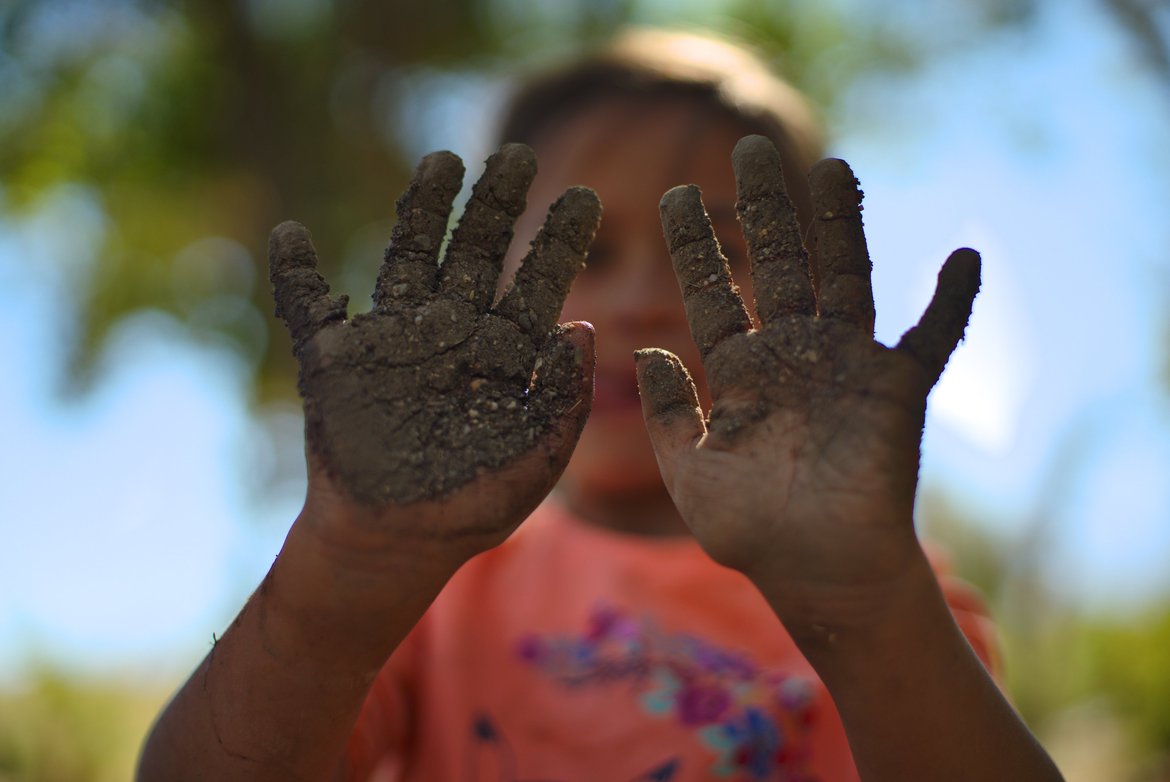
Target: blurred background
150, 436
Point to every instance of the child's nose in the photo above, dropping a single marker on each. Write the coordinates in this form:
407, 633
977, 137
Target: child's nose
647, 296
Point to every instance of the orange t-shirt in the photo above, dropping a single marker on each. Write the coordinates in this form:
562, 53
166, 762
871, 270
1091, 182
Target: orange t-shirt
573, 654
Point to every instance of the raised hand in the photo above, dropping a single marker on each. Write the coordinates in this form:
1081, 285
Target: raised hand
436, 400
803, 474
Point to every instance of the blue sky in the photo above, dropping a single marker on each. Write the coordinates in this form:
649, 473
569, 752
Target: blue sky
1046, 153
130, 536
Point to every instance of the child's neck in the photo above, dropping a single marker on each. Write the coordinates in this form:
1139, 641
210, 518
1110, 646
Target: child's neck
642, 512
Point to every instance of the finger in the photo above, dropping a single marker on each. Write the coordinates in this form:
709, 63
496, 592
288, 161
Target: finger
780, 275
410, 264
476, 253
670, 406
559, 402
843, 262
301, 293
562, 391
534, 301
941, 326
714, 309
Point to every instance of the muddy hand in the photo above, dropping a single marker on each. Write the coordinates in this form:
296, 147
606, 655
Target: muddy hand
804, 472
436, 399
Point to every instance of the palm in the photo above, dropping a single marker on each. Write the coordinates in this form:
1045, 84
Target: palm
828, 454
808, 461
412, 402
435, 387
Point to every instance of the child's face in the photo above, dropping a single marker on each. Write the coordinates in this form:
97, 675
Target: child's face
631, 154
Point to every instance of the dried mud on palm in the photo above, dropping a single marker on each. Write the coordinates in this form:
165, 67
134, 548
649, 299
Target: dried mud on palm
436, 385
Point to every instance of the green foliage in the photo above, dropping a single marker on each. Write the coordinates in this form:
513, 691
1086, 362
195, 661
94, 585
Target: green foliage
1130, 661
1096, 688
60, 728
194, 127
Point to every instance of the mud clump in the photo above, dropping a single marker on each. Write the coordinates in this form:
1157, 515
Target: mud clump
435, 385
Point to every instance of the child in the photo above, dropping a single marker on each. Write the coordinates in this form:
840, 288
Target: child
736, 596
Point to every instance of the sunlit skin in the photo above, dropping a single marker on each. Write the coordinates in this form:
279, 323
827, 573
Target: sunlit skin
628, 289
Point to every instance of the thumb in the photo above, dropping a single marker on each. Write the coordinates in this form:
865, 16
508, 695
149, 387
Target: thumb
562, 393
938, 332
670, 406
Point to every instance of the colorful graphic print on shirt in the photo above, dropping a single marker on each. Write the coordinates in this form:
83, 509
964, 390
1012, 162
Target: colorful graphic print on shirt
755, 721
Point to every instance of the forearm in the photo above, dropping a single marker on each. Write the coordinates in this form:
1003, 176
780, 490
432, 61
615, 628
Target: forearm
915, 700
277, 696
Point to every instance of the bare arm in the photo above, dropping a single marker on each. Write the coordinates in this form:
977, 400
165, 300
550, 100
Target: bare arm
434, 424
803, 474
916, 701
277, 696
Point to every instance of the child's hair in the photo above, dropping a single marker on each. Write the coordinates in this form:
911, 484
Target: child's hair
647, 65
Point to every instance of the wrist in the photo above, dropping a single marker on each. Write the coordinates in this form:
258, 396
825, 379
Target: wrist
835, 611
341, 576
862, 642
352, 543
